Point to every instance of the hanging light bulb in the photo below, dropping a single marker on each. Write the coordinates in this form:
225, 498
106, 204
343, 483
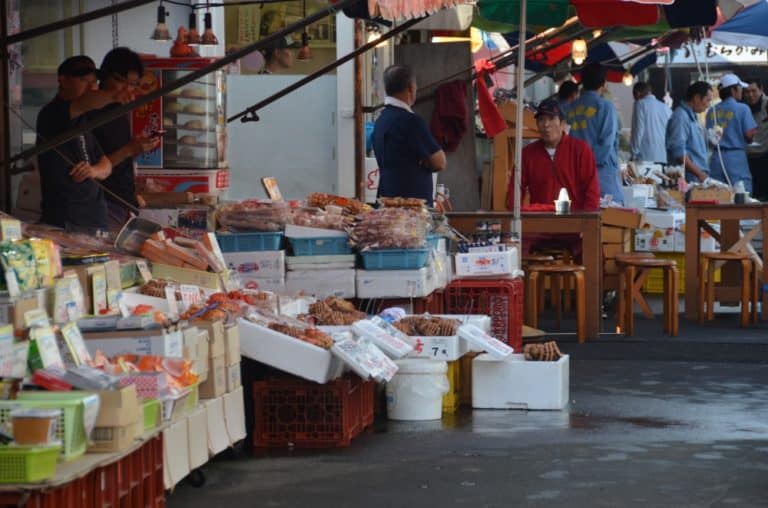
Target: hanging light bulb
208, 36
579, 51
304, 54
374, 35
596, 33
193, 36
161, 33
628, 79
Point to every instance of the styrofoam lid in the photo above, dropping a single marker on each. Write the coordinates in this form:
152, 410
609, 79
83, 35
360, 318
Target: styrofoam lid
421, 366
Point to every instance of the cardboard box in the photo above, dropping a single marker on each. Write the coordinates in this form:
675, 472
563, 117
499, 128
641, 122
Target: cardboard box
216, 337
519, 384
321, 283
257, 264
112, 439
234, 380
621, 217
175, 453
218, 438
719, 194
216, 383
189, 276
234, 415
138, 342
658, 231
197, 434
613, 234
190, 342
232, 345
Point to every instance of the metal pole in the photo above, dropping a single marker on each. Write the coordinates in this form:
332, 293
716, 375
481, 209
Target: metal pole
358, 107
516, 224
5, 124
106, 117
72, 21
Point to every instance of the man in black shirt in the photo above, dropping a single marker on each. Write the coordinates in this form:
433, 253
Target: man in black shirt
70, 196
120, 72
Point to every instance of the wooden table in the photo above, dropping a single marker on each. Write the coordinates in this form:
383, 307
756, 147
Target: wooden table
586, 223
729, 217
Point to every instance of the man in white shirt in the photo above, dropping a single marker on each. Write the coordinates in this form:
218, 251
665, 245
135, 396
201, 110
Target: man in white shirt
757, 151
649, 125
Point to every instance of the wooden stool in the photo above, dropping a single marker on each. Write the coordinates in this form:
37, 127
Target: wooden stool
557, 282
536, 259
577, 271
633, 270
749, 285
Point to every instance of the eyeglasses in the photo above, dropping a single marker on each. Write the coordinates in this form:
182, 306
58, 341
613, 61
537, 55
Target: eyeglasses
122, 79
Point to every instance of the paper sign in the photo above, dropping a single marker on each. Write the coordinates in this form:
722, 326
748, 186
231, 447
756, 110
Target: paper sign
10, 229
190, 295
7, 356
273, 191
76, 344
482, 340
170, 296
146, 275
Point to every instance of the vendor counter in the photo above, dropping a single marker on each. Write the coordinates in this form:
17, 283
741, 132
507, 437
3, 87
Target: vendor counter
587, 224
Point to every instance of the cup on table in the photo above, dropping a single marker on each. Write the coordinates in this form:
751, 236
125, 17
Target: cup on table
740, 198
562, 207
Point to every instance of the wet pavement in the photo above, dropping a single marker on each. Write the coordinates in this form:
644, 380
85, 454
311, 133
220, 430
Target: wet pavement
653, 421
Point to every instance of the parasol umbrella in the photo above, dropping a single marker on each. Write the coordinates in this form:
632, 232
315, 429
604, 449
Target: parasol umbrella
749, 27
620, 58
729, 8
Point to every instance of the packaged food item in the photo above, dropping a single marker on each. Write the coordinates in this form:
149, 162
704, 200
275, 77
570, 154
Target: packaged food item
35, 426
392, 228
334, 311
18, 263
45, 261
254, 215
428, 326
316, 218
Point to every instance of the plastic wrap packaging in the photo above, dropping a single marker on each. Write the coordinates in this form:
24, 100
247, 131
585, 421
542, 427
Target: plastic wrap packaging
18, 262
334, 311
349, 206
254, 215
392, 228
428, 326
322, 219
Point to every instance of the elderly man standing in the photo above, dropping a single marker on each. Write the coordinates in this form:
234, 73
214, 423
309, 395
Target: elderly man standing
649, 125
757, 151
686, 144
594, 120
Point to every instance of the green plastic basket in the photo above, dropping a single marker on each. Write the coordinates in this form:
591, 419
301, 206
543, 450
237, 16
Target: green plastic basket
71, 428
151, 414
24, 464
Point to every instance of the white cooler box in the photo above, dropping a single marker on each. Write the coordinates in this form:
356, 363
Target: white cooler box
321, 283
394, 283
487, 263
520, 384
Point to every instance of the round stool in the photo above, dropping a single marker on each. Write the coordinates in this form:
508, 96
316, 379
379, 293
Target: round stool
575, 271
633, 270
536, 259
749, 285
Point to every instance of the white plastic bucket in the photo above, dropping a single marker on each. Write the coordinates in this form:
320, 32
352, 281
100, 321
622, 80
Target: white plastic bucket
416, 391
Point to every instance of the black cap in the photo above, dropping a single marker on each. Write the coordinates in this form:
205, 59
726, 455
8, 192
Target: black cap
76, 66
549, 107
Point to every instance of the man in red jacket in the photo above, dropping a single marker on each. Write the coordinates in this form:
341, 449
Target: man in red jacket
555, 161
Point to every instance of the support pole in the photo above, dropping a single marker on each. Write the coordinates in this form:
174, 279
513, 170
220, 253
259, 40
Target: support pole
516, 223
5, 134
358, 106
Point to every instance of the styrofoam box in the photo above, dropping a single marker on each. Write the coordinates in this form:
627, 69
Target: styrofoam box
136, 342
335, 262
292, 231
234, 415
218, 438
274, 284
322, 283
394, 283
519, 384
197, 428
438, 348
288, 354
487, 263
175, 453
257, 264
441, 270
463, 347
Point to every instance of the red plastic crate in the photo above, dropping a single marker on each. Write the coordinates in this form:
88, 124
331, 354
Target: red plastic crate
434, 303
303, 414
501, 299
367, 403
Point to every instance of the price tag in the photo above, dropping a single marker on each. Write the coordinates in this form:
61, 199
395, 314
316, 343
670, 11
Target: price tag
146, 275
170, 296
190, 295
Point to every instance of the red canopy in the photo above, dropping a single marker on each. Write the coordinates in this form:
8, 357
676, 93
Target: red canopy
602, 13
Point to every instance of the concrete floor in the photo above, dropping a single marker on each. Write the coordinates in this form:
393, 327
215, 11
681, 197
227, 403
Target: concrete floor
653, 422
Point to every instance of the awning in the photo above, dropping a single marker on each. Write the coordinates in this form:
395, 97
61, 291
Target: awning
747, 28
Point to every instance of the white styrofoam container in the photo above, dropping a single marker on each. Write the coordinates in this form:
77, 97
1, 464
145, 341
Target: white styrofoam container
394, 283
322, 283
519, 384
257, 264
136, 342
320, 262
274, 284
438, 348
479, 320
487, 263
288, 354
292, 231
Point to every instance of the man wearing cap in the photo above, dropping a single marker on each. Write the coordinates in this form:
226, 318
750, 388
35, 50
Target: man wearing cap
70, 196
278, 56
686, 144
757, 151
406, 151
594, 120
731, 128
557, 161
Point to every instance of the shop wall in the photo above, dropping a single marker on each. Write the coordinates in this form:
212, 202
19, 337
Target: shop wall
294, 141
431, 62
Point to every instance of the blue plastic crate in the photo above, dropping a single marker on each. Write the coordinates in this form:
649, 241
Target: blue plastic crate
320, 246
395, 259
249, 242
433, 240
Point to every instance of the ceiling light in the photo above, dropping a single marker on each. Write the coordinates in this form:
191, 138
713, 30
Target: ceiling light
579, 51
193, 36
628, 79
161, 33
209, 38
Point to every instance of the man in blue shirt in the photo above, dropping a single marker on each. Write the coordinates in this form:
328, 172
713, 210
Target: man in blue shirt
406, 151
733, 127
567, 95
649, 123
686, 144
594, 120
